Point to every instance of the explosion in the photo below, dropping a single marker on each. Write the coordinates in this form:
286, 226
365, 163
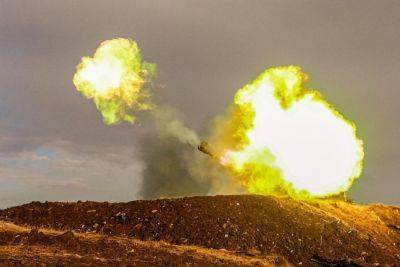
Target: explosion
285, 138
116, 79
279, 137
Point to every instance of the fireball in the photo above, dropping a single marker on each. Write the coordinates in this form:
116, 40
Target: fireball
291, 140
115, 78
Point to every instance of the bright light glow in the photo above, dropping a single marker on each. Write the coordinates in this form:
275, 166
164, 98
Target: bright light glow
296, 141
114, 78
104, 75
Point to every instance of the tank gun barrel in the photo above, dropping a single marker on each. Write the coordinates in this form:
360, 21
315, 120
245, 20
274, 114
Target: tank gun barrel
205, 148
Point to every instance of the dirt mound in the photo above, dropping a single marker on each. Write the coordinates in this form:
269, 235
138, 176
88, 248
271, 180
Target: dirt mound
21, 246
304, 232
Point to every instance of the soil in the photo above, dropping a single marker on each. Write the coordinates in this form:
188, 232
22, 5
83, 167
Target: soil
22, 246
202, 231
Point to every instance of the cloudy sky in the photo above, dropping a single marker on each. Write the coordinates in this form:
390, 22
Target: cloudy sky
54, 145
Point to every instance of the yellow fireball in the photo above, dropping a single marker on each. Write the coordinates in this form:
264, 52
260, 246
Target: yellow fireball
115, 79
291, 139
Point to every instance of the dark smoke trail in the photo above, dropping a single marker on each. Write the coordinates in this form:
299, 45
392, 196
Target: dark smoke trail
167, 169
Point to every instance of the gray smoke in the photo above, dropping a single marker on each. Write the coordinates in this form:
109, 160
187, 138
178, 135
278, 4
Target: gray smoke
173, 167
169, 123
167, 169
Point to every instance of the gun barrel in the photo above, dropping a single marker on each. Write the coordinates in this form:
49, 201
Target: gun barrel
205, 148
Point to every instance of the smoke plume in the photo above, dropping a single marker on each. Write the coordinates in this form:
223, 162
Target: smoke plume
169, 123
167, 171
173, 165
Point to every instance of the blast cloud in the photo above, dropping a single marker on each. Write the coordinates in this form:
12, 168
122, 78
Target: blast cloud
274, 121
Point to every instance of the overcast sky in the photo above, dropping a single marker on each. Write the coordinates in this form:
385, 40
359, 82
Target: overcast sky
54, 145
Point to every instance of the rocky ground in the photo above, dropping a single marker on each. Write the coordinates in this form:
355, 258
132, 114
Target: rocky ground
202, 231
22, 246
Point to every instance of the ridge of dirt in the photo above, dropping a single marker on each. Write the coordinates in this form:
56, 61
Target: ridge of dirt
23, 246
298, 230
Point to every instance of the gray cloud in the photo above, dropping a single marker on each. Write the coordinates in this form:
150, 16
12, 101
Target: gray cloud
54, 172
